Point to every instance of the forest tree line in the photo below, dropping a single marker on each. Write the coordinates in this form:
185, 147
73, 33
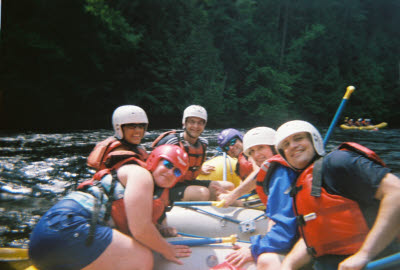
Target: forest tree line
70, 63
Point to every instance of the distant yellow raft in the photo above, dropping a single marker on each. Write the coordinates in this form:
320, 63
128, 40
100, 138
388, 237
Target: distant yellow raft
217, 175
373, 127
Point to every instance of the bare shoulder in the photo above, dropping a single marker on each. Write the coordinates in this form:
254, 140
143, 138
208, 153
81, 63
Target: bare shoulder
133, 171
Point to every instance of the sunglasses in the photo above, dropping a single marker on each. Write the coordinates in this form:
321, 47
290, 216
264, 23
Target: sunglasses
136, 125
230, 143
168, 164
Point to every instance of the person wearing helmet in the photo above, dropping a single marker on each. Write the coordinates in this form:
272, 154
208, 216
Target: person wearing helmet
230, 140
358, 123
193, 121
130, 123
342, 191
75, 229
272, 181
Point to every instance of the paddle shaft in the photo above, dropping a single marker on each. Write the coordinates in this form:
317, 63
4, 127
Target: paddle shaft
350, 89
203, 241
202, 203
224, 168
392, 260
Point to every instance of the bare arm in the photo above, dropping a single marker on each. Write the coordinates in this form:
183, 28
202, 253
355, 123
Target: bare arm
385, 228
138, 199
245, 187
297, 257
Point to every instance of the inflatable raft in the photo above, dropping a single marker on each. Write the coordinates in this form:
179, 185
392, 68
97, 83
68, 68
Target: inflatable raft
204, 257
222, 163
372, 127
208, 221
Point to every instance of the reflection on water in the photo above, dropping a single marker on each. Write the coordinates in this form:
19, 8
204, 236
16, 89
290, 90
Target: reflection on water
38, 169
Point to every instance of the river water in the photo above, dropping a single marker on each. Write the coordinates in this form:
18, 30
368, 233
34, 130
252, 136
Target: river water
37, 169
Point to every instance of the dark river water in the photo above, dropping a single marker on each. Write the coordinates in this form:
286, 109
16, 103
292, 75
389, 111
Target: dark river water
37, 169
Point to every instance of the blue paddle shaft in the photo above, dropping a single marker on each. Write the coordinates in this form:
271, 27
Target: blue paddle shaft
349, 90
393, 260
196, 242
190, 203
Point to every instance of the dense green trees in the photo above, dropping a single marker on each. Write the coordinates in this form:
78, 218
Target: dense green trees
69, 63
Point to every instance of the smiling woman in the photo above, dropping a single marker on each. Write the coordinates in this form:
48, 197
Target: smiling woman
134, 199
130, 124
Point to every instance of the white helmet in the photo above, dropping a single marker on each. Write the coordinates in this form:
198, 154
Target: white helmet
194, 111
258, 136
125, 115
296, 126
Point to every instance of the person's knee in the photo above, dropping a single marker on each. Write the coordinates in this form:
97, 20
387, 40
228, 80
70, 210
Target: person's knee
196, 193
268, 261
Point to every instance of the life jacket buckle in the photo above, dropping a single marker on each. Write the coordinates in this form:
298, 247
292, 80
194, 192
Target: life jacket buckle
311, 251
300, 220
295, 190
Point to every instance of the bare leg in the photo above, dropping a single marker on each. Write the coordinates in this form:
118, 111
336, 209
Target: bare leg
124, 252
196, 193
269, 261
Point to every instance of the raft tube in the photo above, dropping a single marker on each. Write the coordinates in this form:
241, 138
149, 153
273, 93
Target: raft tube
202, 258
217, 175
209, 221
372, 127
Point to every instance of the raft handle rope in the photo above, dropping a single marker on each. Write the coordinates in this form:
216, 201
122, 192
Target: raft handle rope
246, 226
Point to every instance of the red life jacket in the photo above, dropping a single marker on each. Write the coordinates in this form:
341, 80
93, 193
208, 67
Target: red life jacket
116, 207
196, 153
264, 176
244, 167
317, 210
97, 158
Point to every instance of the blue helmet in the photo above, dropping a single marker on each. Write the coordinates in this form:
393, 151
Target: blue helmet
228, 134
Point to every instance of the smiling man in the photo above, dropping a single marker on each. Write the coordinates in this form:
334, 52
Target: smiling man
347, 202
194, 121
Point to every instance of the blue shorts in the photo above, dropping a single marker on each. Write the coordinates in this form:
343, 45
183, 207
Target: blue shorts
59, 239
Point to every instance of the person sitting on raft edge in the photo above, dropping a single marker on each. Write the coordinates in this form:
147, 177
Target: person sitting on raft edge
75, 233
348, 189
194, 121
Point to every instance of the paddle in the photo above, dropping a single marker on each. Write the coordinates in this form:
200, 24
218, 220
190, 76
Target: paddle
219, 204
202, 203
224, 168
350, 89
390, 261
204, 241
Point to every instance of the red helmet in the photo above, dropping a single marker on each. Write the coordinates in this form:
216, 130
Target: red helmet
172, 153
